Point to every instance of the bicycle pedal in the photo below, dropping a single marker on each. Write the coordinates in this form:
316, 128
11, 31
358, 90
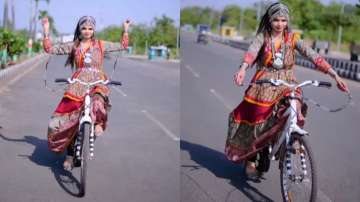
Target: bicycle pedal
77, 163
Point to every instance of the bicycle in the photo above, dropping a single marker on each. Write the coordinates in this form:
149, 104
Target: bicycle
292, 147
84, 150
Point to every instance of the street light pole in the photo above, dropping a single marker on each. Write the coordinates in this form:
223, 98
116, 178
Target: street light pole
177, 39
340, 29
241, 20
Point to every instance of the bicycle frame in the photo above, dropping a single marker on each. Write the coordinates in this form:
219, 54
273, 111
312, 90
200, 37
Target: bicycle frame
85, 117
290, 126
291, 123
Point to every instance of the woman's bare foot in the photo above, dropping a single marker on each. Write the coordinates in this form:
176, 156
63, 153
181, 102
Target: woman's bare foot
98, 130
68, 163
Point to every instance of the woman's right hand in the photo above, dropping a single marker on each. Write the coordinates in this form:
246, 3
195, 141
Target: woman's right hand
126, 25
239, 76
46, 25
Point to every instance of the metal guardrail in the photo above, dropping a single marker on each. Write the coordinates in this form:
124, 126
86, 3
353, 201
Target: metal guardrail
345, 68
12, 70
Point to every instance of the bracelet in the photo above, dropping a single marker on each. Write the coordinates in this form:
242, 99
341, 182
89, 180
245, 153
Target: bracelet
332, 73
244, 64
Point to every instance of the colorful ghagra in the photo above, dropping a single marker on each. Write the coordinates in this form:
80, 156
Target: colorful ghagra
257, 119
64, 121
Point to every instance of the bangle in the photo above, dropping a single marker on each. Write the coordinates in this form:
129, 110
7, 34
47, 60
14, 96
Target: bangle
332, 73
245, 65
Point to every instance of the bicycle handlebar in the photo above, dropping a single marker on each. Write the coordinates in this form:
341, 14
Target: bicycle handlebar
60, 80
278, 82
118, 83
105, 82
324, 84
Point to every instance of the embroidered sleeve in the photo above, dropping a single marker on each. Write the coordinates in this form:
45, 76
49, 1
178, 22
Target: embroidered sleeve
112, 47
60, 49
253, 50
310, 54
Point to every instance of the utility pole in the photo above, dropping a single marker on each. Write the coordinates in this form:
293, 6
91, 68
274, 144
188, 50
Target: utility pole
12, 14
177, 39
258, 10
30, 20
211, 19
340, 28
241, 20
6, 15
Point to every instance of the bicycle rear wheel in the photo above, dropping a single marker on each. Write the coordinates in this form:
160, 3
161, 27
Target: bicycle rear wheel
85, 132
298, 171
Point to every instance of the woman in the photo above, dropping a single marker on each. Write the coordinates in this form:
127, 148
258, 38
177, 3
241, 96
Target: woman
86, 54
259, 113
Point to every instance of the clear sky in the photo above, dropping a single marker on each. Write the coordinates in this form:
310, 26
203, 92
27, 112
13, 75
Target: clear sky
219, 4
106, 12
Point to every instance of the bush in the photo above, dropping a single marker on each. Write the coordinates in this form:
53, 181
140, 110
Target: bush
14, 43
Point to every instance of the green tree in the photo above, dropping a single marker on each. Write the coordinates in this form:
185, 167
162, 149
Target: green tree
231, 13
190, 15
142, 36
164, 32
111, 33
250, 22
12, 42
196, 15
139, 38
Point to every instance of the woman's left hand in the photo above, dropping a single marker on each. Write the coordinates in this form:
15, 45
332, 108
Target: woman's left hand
126, 25
341, 84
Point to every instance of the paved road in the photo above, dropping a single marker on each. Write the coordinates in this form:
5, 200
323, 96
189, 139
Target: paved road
207, 97
137, 159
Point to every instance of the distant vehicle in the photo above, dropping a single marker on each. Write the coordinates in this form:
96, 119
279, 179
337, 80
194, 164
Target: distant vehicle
202, 30
202, 38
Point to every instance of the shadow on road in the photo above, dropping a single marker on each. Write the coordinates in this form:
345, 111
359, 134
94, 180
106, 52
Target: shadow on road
217, 163
42, 156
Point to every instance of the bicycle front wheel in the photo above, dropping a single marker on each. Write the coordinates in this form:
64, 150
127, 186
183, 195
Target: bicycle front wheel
85, 130
298, 171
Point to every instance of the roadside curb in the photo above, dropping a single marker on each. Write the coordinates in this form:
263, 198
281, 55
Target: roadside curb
12, 70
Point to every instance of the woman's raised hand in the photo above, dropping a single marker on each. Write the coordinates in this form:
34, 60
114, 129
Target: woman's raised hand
45, 23
126, 25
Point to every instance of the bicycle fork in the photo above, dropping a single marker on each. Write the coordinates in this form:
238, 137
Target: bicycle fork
294, 128
86, 118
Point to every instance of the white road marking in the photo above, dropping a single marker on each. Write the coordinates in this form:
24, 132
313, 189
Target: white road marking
220, 98
161, 125
194, 73
323, 196
119, 91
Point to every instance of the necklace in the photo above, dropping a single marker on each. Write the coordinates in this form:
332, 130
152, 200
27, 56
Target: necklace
278, 57
87, 55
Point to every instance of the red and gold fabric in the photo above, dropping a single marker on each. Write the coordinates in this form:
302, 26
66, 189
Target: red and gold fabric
64, 121
256, 115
